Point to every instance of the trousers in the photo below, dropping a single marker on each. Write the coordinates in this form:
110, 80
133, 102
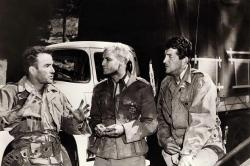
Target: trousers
206, 157
131, 161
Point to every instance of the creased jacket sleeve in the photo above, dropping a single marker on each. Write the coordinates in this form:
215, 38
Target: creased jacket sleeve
202, 117
95, 113
7, 114
138, 129
163, 132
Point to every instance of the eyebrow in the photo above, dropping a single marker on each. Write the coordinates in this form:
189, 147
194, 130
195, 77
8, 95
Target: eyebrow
168, 54
48, 64
107, 57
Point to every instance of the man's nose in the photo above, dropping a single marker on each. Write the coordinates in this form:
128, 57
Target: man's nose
165, 59
103, 62
52, 70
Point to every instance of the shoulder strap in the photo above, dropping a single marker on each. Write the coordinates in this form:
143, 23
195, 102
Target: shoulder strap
19, 98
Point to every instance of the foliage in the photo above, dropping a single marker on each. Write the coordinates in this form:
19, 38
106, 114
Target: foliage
27, 22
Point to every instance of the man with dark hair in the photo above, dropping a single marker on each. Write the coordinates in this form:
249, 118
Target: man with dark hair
36, 110
30, 55
189, 129
123, 111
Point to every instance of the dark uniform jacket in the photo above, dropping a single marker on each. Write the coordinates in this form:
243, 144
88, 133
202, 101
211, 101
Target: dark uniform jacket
134, 108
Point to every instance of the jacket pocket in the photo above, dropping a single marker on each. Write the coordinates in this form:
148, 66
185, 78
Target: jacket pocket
131, 107
186, 102
93, 144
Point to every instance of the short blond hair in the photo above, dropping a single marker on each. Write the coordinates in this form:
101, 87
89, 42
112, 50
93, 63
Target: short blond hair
126, 54
123, 52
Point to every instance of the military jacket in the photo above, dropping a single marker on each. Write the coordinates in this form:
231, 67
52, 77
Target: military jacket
187, 113
40, 113
134, 108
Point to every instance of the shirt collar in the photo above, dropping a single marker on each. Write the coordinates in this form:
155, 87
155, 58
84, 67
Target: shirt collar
187, 74
25, 84
183, 72
125, 79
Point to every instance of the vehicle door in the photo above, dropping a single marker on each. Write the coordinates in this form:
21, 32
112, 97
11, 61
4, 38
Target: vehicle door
74, 74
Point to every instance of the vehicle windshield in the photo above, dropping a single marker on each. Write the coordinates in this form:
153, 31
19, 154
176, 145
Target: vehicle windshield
71, 65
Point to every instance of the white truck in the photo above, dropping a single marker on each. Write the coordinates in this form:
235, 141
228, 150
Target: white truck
78, 69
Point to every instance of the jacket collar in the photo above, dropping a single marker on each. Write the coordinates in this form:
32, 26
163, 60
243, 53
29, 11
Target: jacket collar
25, 84
187, 76
128, 79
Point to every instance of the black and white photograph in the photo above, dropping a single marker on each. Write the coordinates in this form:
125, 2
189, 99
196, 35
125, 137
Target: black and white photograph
125, 82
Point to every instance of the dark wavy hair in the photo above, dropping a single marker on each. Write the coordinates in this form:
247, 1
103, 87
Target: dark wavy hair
182, 44
30, 57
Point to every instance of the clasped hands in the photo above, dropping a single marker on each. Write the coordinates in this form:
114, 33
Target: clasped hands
114, 130
174, 150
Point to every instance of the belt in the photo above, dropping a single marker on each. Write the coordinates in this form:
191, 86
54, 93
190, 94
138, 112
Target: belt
31, 117
36, 137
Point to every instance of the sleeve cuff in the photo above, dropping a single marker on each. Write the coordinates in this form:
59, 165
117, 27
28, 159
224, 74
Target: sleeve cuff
131, 131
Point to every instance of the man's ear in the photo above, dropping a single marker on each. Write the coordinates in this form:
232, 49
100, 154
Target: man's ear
32, 70
129, 66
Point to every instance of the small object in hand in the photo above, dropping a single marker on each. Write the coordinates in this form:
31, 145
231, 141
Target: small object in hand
109, 129
101, 127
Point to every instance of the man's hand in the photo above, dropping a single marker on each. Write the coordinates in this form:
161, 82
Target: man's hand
114, 130
171, 148
80, 114
100, 130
